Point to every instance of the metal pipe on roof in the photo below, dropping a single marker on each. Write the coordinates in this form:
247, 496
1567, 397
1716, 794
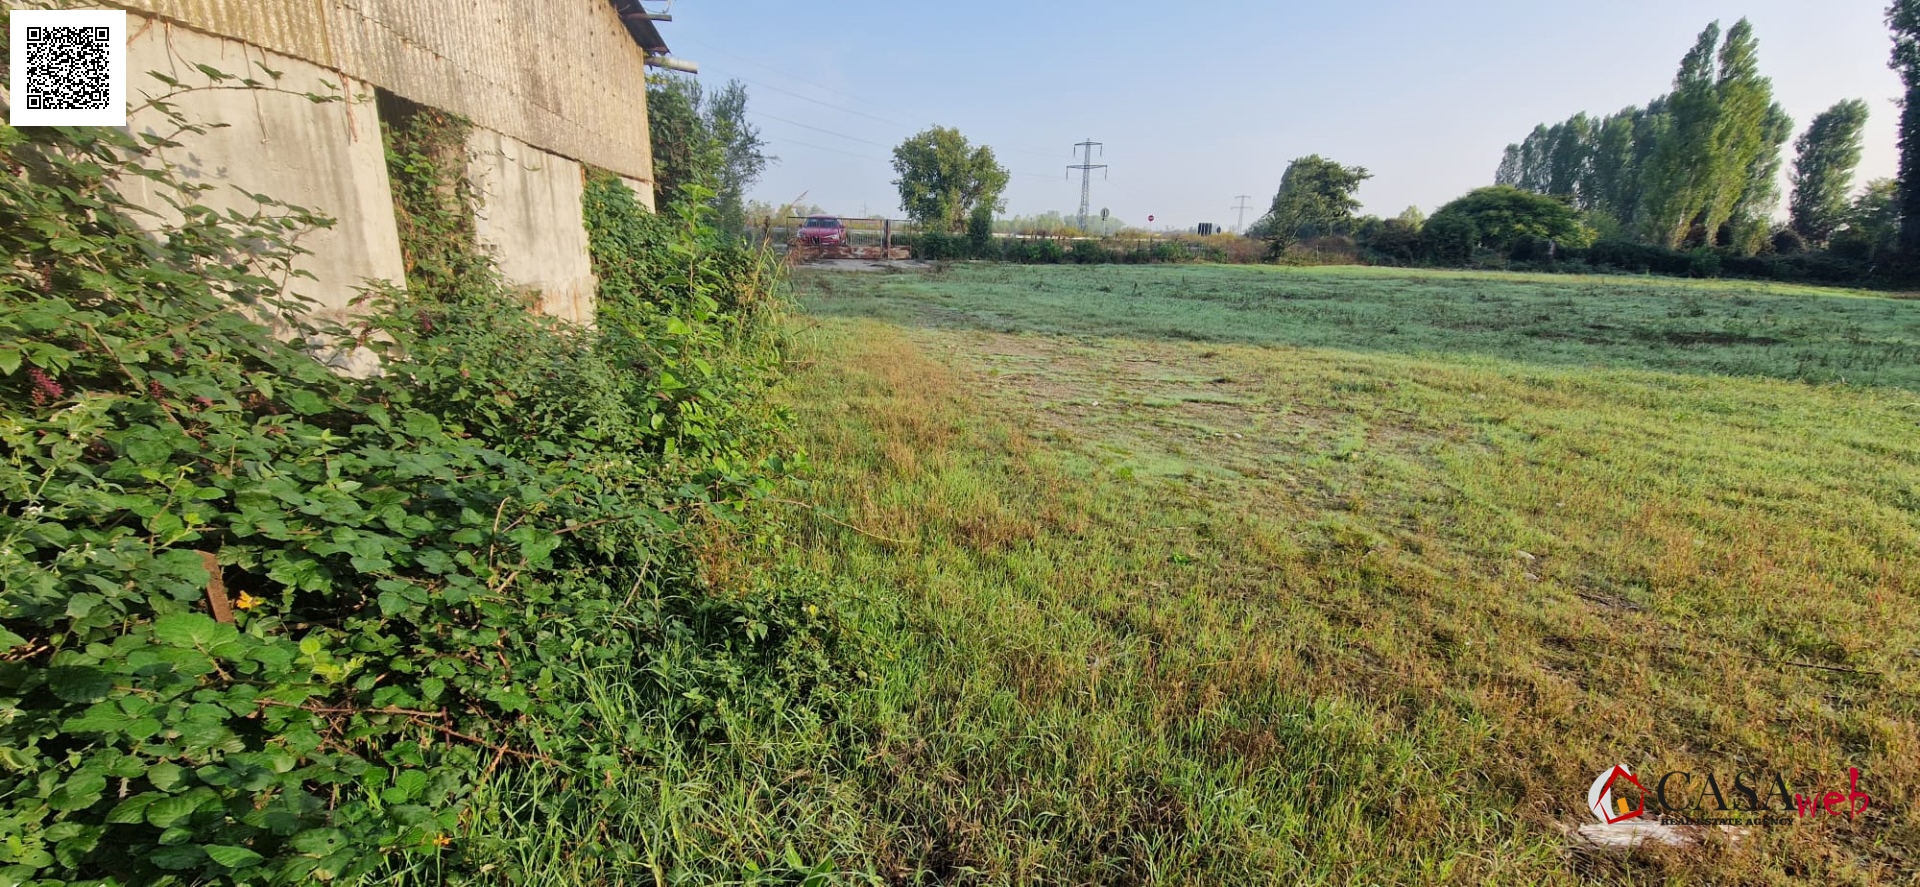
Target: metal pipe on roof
671, 63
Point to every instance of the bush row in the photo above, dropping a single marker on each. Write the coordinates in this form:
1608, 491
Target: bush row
938, 246
1639, 258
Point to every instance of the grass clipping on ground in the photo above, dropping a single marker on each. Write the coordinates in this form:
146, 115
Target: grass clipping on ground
1207, 612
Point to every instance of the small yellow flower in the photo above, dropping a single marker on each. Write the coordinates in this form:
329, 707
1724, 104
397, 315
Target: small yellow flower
442, 841
247, 601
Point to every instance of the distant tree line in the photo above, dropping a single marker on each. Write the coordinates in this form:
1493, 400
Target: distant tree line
1697, 168
1057, 222
1687, 184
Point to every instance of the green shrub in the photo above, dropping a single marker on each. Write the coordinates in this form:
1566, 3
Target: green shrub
1089, 252
1501, 215
1703, 262
425, 565
1788, 242
1639, 258
980, 232
1449, 240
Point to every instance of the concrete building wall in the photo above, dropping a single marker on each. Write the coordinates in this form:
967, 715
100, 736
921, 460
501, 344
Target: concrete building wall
324, 157
561, 75
531, 218
550, 85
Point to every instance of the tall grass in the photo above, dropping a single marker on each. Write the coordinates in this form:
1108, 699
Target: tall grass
1294, 603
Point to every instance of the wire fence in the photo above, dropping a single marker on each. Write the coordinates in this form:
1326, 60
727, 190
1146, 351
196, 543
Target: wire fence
869, 233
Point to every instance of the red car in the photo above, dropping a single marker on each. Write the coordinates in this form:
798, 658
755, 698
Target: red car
823, 231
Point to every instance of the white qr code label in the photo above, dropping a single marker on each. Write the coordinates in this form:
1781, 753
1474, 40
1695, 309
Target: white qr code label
68, 67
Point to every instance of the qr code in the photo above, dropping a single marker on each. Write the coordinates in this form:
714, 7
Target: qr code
68, 68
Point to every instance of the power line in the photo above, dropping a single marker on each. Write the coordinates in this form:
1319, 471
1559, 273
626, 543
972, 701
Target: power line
809, 98
1086, 168
800, 144
788, 75
830, 132
862, 141
842, 135
1243, 207
704, 47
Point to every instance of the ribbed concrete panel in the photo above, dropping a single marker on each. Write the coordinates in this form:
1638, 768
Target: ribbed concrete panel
531, 217
560, 75
327, 157
296, 28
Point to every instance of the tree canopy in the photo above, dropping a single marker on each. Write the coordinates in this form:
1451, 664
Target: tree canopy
703, 139
1873, 221
1903, 18
1829, 152
1315, 199
1498, 217
1697, 165
942, 178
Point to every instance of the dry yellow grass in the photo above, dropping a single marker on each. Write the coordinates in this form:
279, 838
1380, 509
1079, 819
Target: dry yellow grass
1213, 613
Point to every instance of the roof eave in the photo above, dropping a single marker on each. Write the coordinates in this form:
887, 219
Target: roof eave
640, 26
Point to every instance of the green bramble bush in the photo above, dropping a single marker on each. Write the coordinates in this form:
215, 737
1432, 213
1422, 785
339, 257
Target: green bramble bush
422, 564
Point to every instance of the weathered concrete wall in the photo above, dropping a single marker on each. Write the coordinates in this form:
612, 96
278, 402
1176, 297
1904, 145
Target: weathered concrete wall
531, 217
561, 75
325, 157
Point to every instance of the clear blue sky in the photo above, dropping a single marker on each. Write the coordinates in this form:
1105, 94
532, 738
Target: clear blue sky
1200, 101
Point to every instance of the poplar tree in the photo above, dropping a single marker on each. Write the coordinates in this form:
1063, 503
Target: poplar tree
1903, 17
1534, 153
1748, 130
1509, 171
1568, 156
1827, 155
1612, 174
1680, 174
1750, 223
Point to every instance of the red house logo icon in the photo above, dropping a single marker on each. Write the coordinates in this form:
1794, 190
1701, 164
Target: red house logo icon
1617, 796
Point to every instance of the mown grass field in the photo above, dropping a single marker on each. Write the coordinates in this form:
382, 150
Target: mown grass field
1250, 575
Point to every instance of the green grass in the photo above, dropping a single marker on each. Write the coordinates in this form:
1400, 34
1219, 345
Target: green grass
1695, 327
1217, 575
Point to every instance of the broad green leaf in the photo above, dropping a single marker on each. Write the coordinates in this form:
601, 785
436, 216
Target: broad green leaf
146, 446
185, 856
421, 425
171, 809
166, 776
233, 857
393, 604
79, 683
411, 783
79, 792
306, 403
320, 842
133, 811
193, 631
